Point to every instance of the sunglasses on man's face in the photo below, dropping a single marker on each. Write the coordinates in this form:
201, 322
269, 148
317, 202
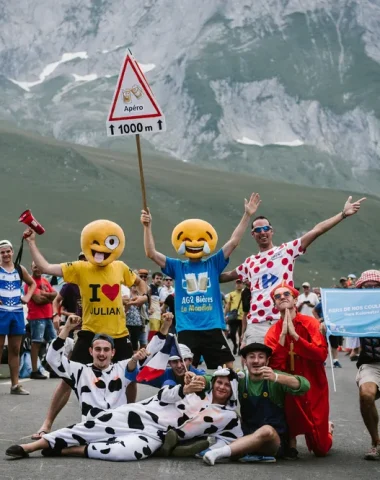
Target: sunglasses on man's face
279, 295
265, 228
143, 276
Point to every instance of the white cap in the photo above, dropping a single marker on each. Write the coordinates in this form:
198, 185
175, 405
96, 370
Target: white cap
306, 284
185, 352
351, 275
5, 243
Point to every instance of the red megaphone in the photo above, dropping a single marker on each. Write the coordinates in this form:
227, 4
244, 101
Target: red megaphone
27, 218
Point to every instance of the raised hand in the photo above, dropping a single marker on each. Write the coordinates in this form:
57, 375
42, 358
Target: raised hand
29, 235
188, 377
251, 205
194, 386
350, 208
146, 218
141, 354
72, 322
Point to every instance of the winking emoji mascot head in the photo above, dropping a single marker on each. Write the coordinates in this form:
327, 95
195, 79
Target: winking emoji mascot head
194, 238
102, 242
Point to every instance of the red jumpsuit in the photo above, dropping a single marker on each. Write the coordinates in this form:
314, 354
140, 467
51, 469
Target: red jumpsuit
306, 414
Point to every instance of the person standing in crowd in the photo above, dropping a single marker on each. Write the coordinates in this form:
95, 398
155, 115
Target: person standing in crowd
99, 281
200, 325
68, 301
154, 304
40, 313
12, 322
333, 339
368, 376
134, 321
307, 300
234, 314
299, 347
272, 265
166, 290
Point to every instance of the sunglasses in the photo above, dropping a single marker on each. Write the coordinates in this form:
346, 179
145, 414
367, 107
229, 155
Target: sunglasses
143, 276
279, 295
265, 228
168, 279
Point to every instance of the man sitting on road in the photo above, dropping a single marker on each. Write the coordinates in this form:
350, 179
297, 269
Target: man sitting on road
102, 384
262, 394
135, 431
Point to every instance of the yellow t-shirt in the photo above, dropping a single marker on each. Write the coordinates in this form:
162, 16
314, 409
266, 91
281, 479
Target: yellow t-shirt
235, 297
102, 306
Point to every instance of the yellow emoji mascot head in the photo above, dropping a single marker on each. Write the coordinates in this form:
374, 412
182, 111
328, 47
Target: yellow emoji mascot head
102, 242
194, 238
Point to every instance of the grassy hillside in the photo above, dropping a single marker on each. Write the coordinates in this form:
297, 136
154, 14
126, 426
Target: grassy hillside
67, 186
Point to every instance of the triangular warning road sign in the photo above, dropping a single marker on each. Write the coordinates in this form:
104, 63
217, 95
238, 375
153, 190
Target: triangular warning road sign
134, 108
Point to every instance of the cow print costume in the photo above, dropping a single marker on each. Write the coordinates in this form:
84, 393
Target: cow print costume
95, 389
135, 431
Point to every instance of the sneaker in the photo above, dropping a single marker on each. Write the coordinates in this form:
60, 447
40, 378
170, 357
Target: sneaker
16, 451
19, 390
337, 364
37, 376
373, 453
291, 454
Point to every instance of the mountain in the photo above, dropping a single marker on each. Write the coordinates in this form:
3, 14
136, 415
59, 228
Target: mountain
283, 89
66, 186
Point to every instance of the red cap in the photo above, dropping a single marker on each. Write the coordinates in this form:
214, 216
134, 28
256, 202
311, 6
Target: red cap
293, 290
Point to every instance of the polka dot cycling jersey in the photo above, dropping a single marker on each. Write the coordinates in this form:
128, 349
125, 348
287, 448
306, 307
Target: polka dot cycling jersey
264, 271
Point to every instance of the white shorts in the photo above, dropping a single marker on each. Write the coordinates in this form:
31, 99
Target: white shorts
369, 372
256, 332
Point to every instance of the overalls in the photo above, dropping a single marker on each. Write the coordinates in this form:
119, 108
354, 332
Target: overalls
259, 411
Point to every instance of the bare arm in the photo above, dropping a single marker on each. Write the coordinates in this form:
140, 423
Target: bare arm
250, 208
31, 285
57, 302
323, 227
38, 258
243, 324
49, 296
149, 245
227, 307
226, 277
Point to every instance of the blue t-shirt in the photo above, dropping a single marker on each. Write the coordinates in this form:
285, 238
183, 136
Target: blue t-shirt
198, 300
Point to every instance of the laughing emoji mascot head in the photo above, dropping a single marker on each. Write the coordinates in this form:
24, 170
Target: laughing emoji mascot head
194, 238
102, 242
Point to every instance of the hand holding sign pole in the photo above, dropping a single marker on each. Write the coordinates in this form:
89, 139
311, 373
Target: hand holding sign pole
134, 110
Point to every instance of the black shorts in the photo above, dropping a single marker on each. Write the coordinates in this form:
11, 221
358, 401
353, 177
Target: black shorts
211, 344
81, 354
334, 341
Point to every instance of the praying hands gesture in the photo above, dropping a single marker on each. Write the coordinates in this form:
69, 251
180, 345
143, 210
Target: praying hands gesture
288, 328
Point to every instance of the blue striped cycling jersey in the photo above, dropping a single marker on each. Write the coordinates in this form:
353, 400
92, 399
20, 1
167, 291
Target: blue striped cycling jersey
10, 291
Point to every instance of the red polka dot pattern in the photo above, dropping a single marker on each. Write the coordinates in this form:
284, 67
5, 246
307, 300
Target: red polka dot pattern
264, 270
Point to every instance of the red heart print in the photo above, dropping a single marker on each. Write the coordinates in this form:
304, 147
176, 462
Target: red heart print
111, 292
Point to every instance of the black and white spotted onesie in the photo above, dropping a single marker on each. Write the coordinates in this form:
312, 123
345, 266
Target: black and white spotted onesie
135, 431
95, 389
